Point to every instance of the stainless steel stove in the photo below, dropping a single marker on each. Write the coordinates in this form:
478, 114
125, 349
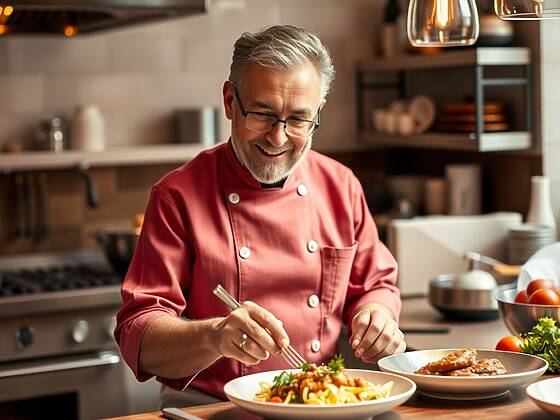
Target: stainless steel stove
57, 352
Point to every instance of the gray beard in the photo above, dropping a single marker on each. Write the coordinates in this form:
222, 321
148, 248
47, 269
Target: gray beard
269, 173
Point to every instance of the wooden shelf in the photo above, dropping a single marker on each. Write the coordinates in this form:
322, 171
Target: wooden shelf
489, 142
470, 56
131, 155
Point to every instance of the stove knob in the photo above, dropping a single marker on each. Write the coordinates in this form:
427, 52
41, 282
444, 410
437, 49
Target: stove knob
110, 326
80, 331
24, 337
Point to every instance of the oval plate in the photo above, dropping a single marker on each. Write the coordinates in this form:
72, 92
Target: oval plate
241, 391
521, 369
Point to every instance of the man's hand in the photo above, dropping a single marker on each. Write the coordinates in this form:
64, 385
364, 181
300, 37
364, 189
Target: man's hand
243, 334
375, 334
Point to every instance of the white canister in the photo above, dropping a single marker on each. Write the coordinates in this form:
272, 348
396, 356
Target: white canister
540, 208
88, 129
464, 189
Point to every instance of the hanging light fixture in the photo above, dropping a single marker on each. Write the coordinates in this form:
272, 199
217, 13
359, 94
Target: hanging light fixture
527, 9
443, 23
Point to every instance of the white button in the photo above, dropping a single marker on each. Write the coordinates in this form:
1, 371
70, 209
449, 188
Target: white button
313, 301
233, 198
302, 190
315, 345
244, 252
312, 246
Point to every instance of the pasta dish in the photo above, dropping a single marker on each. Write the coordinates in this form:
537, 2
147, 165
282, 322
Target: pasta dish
323, 385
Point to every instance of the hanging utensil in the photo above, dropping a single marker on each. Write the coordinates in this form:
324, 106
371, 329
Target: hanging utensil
40, 231
19, 228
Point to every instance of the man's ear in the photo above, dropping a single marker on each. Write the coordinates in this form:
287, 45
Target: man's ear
227, 93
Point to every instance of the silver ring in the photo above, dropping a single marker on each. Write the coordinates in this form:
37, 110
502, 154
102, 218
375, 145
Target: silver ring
243, 341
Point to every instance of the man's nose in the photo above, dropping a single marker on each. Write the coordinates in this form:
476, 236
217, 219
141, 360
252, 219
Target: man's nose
277, 136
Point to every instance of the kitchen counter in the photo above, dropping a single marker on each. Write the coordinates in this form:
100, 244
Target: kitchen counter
417, 313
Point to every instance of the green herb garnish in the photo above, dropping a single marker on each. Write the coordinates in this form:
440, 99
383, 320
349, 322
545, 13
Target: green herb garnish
336, 364
284, 379
544, 341
305, 366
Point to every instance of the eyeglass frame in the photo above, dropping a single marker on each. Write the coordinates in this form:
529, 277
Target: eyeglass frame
245, 113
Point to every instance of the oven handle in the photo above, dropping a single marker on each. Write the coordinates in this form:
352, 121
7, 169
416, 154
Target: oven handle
100, 359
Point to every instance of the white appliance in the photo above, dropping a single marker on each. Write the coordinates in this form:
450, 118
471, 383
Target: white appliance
426, 247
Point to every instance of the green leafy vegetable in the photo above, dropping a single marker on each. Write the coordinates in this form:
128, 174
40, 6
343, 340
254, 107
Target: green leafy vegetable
544, 341
305, 366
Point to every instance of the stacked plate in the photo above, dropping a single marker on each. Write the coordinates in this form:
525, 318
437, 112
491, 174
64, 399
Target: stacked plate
526, 239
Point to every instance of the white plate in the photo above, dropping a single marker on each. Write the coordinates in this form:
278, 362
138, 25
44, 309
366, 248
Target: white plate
521, 369
546, 394
241, 391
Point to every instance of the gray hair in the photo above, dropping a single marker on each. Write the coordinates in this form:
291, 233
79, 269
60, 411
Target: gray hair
282, 47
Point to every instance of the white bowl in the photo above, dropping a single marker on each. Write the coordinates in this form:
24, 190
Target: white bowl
241, 391
546, 395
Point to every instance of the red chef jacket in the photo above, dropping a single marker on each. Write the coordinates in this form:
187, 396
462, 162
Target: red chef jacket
307, 251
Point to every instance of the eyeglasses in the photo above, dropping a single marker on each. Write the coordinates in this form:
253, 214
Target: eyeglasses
261, 122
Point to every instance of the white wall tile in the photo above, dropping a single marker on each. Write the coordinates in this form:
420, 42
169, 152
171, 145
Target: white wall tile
138, 126
21, 94
550, 92
550, 122
550, 33
199, 56
551, 158
109, 91
327, 17
555, 201
189, 90
147, 54
50, 55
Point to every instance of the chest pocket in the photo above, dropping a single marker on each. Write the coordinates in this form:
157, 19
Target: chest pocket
336, 269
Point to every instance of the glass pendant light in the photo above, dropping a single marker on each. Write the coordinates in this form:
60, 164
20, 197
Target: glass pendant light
442, 23
527, 9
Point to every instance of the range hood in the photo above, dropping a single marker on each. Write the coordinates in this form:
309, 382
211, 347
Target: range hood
74, 17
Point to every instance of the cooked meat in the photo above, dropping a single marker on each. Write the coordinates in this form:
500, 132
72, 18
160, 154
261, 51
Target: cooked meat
484, 367
458, 360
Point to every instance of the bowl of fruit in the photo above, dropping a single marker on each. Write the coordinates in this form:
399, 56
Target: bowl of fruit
521, 310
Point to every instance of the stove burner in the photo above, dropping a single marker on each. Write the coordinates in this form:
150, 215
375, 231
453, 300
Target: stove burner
55, 279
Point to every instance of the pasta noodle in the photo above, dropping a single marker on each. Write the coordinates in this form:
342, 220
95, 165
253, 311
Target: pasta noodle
322, 385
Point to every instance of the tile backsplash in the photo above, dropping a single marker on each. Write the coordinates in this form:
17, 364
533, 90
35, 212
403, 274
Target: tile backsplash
140, 75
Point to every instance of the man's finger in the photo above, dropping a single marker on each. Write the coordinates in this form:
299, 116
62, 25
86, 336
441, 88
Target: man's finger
360, 324
265, 327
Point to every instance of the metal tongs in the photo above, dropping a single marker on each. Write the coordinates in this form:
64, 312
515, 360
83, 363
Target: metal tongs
291, 356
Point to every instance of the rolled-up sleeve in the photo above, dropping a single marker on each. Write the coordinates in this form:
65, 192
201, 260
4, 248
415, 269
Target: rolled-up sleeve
374, 271
156, 278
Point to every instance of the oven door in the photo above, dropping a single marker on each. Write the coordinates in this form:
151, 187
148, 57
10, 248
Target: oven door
85, 386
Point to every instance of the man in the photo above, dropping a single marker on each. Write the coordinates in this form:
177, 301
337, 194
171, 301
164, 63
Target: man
284, 229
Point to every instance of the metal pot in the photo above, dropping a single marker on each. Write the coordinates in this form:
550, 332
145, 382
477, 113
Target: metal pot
460, 303
118, 246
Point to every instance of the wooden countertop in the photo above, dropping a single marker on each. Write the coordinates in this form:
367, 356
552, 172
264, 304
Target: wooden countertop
418, 313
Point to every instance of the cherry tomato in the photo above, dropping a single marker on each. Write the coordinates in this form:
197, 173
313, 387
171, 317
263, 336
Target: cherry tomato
521, 297
510, 343
539, 284
276, 399
544, 297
